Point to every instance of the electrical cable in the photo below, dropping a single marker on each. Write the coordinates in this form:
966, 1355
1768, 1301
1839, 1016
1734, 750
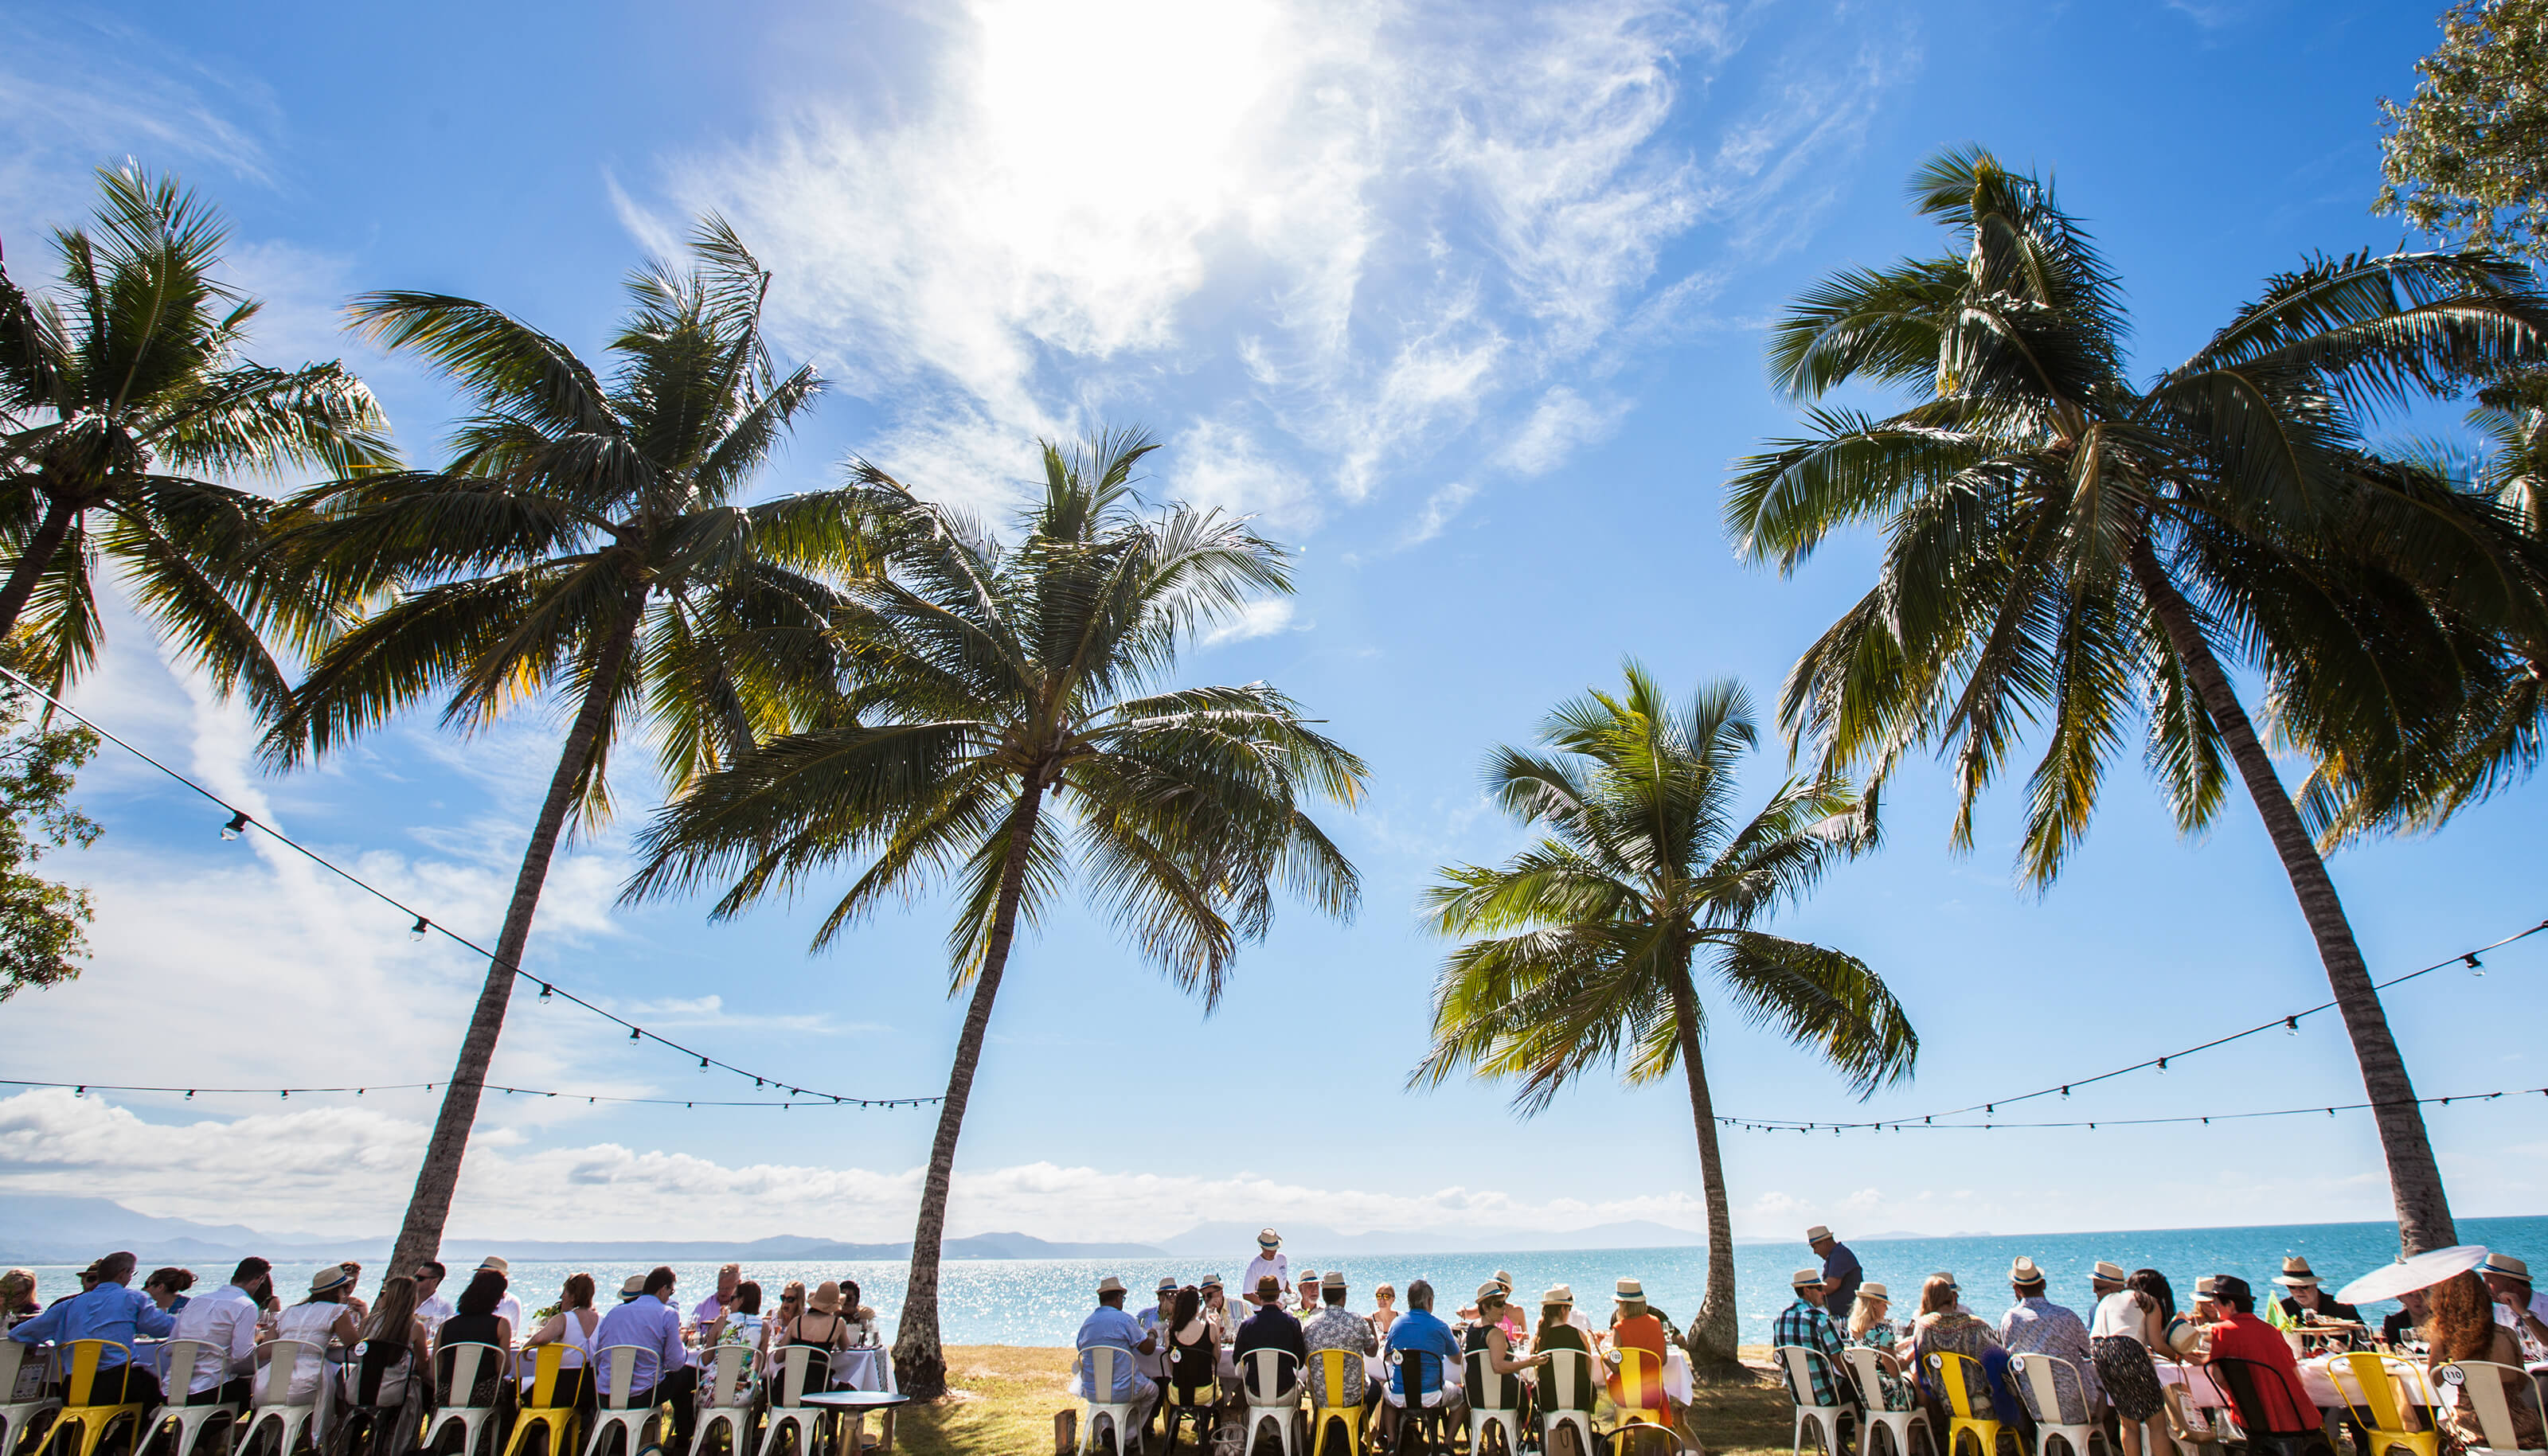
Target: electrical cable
240, 821
82, 1089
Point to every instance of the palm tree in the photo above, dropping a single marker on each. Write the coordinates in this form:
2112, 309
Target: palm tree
586, 540
124, 397
2066, 548
1008, 722
1577, 953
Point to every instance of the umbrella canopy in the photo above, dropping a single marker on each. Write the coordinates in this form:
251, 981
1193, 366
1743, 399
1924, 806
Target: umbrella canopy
2424, 1271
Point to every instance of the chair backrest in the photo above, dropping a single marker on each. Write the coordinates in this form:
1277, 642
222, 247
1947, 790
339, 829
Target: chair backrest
1569, 1383
1099, 1367
1489, 1390
1800, 1363
12, 1356
1332, 1373
1866, 1369
458, 1368
177, 1362
2040, 1386
547, 1363
725, 1385
1412, 1367
2481, 1385
1270, 1377
2245, 1382
617, 1383
800, 1368
1963, 1384
2370, 1391
373, 1359
1641, 1379
281, 1358
86, 1360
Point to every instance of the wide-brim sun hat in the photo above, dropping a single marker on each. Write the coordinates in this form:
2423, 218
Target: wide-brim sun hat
2296, 1273
826, 1297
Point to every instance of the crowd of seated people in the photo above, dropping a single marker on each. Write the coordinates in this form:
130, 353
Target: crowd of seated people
379, 1355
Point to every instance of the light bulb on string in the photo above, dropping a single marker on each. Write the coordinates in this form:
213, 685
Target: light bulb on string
2162, 1066
237, 826
703, 1066
2291, 1026
547, 991
2476, 966
635, 1035
417, 931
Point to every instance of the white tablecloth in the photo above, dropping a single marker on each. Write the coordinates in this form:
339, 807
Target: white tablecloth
2319, 1386
858, 1370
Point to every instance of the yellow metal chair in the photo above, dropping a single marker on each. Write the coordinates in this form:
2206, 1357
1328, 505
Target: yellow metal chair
548, 1408
2369, 1386
1965, 1388
85, 1402
1332, 1378
1638, 1389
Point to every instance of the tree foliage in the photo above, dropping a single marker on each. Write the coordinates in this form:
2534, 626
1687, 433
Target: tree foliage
42, 922
2466, 156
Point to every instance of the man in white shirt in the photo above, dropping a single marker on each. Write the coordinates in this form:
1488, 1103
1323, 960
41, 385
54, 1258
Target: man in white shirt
224, 1320
1269, 1260
507, 1308
430, 1306
2516, 1304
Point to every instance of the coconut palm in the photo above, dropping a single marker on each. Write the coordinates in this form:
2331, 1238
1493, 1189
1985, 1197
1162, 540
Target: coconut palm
2070, 549
1010, 727
1579, 952
126, 397
588, 541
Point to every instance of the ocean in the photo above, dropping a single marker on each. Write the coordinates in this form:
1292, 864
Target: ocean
1041, 1302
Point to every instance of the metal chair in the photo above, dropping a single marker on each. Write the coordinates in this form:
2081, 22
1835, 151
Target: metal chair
1415, 1418
1965, 1387
1494, 1401
2038, 1386
18, 1418
1823, 1418
1640, 1397
543, 1411
1270, 1380
616, 1408
189, 1420
86, 1404
270, 1405
1100, 1362
2369, 1386
796, 1370
1192, 1391
1867, 1366
1567, 1392
377, 1415
2480, 1386
1335, 1410
2244, 1382
725, 1401
458, 1371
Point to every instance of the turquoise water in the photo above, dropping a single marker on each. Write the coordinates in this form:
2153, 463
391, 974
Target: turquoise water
1041, 1302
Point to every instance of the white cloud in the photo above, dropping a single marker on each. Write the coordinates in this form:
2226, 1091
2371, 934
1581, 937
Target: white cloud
1262, 617
1562, 421
1439, 507
77, 94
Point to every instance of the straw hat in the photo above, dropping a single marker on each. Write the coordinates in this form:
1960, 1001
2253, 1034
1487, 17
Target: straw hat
1490, 1292
1805, 1278
1210, 1281
631, 1287
1872, 1290
331, 1277
1335, 1279
1628, 1289
495, 1263
1269, 1288
1559, 1294
2205, 1287
1169, 1286
1267, 1239
1110, 1285
826, 1297
1307, 1276
1505, 1278
2508, 1266
1817, 1234
2109, 1272
2296, 1273
2025, 1272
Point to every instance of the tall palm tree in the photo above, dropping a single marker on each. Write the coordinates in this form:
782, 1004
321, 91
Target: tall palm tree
1579, 951
2065, 547
1008, 722
125, 397
587, 541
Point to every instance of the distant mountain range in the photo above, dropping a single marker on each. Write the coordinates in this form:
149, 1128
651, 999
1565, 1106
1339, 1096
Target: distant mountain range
47, 1229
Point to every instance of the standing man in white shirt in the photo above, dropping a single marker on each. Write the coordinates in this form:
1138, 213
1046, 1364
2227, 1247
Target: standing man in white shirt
1269, 1260
225, 1322
507, 1308
430, 1306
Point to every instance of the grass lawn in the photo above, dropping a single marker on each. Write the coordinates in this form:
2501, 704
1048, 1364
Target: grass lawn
1010, 1393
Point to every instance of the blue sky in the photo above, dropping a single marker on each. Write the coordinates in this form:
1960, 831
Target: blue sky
1467, 305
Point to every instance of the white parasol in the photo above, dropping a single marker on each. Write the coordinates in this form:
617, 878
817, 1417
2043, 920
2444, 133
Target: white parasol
2424, 1271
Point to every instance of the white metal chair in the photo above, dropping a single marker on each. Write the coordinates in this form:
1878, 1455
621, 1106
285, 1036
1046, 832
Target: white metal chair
18, 1416
189, 1420
1868, 1365
795, 1370
725, 1402
1565, 1378
1824, 1418
615, 1410
458, 1370
2038, 1385
270, 1407
1272, 1382
2480, 1386
1098, 1365
1493, 1401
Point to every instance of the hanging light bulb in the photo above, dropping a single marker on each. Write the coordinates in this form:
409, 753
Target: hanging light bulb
2162, 1066
237, 825
2474, 966
703, 1063
635, 1035
417, 931
2291, 1026
547, 991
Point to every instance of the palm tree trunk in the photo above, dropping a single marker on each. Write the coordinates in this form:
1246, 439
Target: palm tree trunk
1713, 1333
59, 516
919, 1364
439, 1175
2415, 1181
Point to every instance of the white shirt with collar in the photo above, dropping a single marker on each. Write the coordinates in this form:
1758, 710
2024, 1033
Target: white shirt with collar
434, 1309
225, 1322
1262, 1265
510, 1309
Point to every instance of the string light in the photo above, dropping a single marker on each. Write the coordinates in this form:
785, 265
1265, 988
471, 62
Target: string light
417, 931
238, 821
2476, 966
2205, 1120
82, 1089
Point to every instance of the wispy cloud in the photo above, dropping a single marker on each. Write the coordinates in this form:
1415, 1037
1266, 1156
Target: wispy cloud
1439, 507
1260, 618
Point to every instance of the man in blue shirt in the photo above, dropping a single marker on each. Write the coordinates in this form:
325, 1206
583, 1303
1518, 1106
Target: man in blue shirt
662, 1370
111, 1310
1841, 1273
1420, 1330
1109, 1327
